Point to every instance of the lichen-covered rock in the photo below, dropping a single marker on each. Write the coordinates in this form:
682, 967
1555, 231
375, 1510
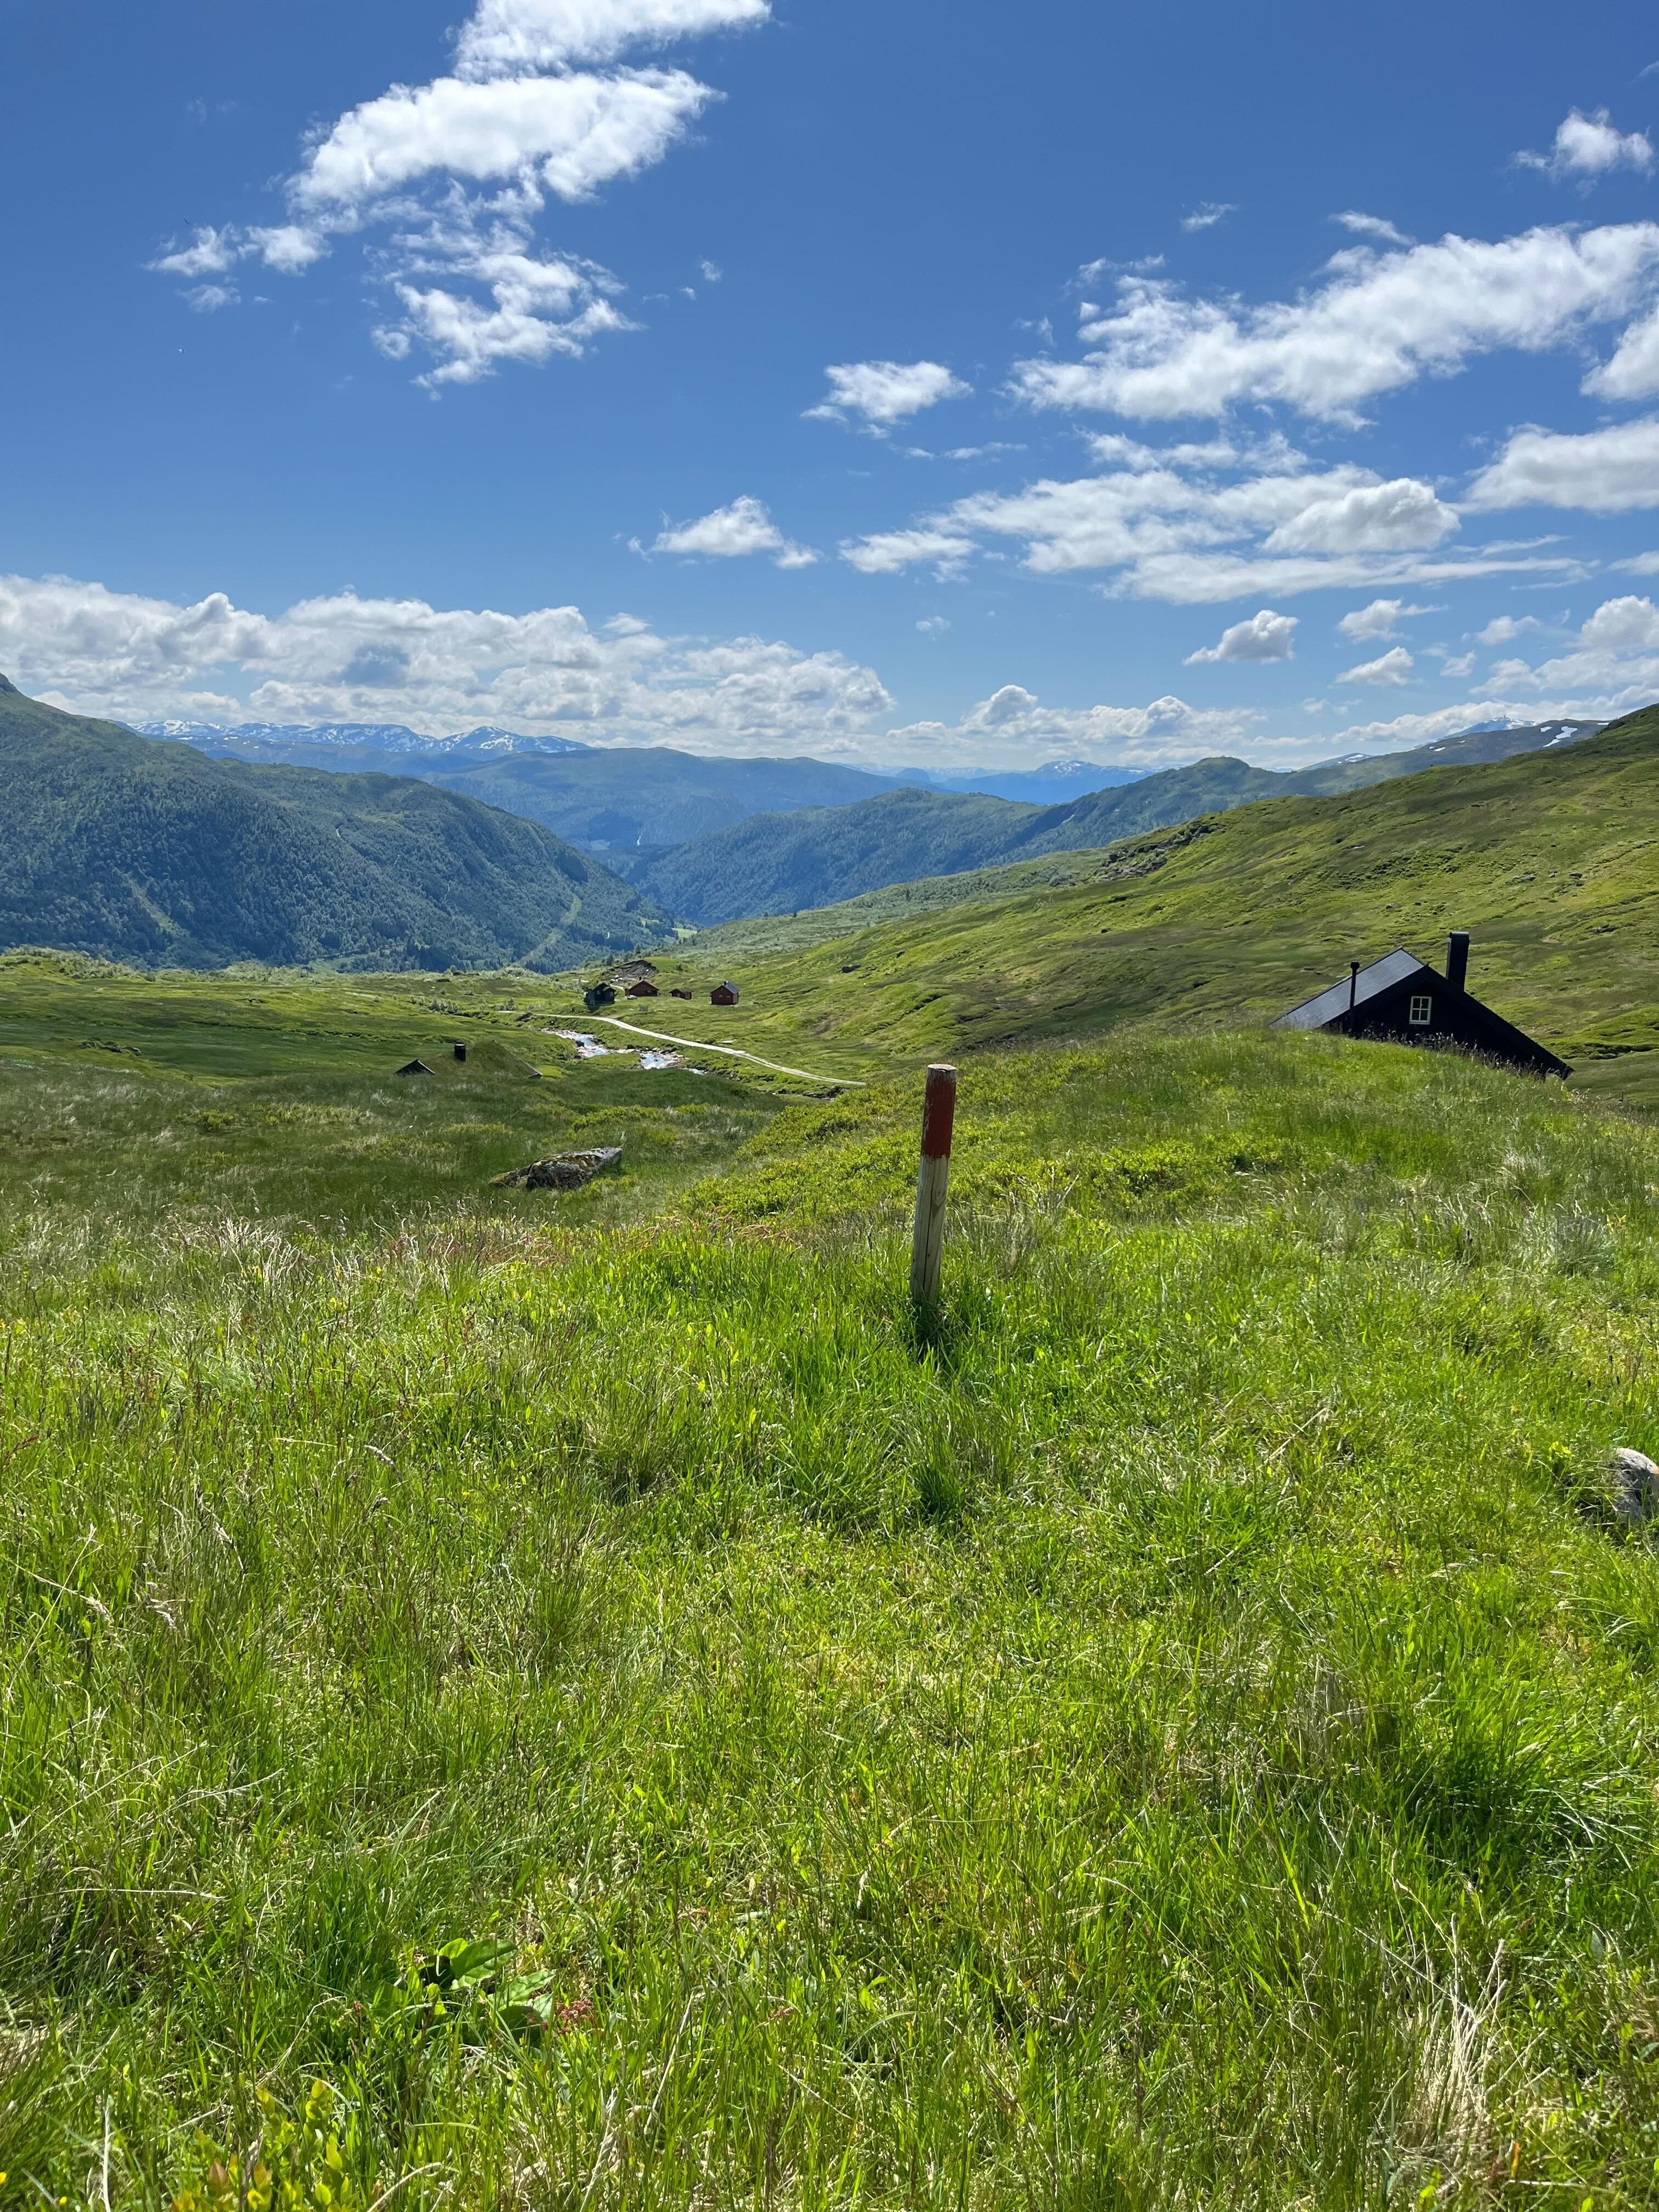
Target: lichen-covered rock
1633, 1487
566, 1171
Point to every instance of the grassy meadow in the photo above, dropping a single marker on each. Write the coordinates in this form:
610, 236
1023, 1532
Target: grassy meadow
1545, 858
516, 1699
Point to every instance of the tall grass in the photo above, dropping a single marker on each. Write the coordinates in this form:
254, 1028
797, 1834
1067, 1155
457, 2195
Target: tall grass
578, 1716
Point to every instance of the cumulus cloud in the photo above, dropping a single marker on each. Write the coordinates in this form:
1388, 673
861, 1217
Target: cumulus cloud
1377, 620
1208, 213
1197, 523
1613, 661
1503, 629
1632, 373
457, 175
1377, 323
438, 670
885, 392
1605, 471
1590, 146
1265, 636
1392, 667
511, 37
729, 533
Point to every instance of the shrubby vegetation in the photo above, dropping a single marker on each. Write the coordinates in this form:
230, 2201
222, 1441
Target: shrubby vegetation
528, 1712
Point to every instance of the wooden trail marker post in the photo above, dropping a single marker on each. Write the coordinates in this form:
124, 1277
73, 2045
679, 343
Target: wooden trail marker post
939, 1113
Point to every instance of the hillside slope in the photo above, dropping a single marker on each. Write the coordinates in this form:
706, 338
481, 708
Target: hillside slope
617, 799
776, 865
153, 853
1548, 858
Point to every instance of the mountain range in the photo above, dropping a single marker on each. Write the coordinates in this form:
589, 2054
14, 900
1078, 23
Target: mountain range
632, 800
157, 855
784, 863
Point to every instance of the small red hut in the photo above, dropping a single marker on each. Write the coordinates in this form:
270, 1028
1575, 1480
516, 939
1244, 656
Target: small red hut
723, 994
643, 989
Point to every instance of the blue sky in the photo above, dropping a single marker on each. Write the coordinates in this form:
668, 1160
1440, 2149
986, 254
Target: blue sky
907, 384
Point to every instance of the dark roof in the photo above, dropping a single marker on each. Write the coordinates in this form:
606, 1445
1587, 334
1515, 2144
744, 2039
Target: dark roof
1382, 975
414, 1067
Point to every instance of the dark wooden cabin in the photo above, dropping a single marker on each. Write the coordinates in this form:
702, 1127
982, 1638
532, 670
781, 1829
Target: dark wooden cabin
1400, 999
723, 994
596, 995
643, 988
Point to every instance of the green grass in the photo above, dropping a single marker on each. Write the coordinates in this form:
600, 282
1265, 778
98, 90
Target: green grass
1546, 858
640, 1722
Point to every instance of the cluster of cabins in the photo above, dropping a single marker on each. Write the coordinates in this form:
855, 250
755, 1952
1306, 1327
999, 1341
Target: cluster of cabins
642, 987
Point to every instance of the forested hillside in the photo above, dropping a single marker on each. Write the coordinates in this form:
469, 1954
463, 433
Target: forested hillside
775, 864
150, 852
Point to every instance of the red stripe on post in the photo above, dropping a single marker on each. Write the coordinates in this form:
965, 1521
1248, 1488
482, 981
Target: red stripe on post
938, 1113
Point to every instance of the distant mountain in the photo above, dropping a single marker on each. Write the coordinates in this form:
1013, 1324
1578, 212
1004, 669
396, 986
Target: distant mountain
781, 864
161, 855
617, 801
1039, 787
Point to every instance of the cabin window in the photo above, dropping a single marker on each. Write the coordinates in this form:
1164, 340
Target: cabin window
1422, 1010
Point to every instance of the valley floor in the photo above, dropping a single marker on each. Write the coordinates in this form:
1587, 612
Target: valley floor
520, 1700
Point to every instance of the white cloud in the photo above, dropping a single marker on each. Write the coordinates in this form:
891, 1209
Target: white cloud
1265, 636
1013, 728
1208, 213
885, 392
1605, 472
438, 670
1614, 660
1589, 146
1632, 373
1503, 629
934, 625
1393, 667
569, 134
511, 37
1378, 322
729, 533
1456, 666
1376, 227
1377, 620
1626, 625
1203, 523
890, 550
1385, 518
459, 172
1644, 564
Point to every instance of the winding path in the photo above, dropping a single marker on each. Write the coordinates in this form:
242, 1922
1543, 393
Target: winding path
732, 1052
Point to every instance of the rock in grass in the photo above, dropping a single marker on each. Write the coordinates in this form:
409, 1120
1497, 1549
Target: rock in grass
1633, 1487
566, 1171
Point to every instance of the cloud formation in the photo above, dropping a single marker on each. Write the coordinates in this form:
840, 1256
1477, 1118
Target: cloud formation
1265, 636
1392, 667
885, 392
1608, 471
1377, 620
1590, 146
729, 533
458, 173
1207, 522
1206, 216
1377, 323
439, 669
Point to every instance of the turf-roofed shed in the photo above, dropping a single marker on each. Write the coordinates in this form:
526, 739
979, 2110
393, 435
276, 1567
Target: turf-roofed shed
1400, 999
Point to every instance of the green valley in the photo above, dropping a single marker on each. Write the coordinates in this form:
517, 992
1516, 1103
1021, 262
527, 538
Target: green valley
123, 848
